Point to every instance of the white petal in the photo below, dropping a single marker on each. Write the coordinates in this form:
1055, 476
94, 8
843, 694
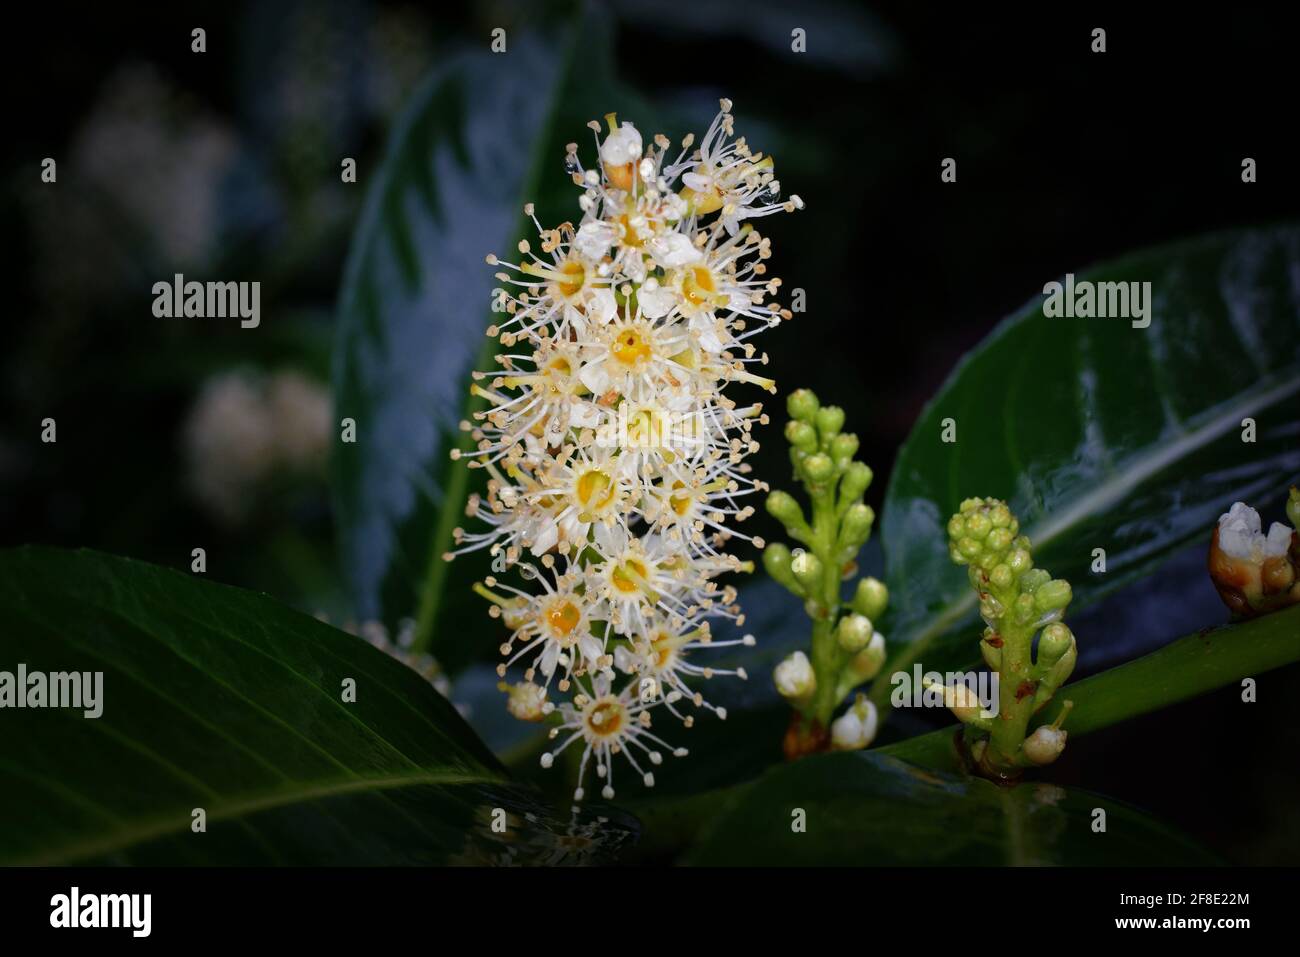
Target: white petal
656, 303
674, 249
602, 305
594, 239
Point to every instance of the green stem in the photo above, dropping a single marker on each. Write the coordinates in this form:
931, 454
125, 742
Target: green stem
1181, 670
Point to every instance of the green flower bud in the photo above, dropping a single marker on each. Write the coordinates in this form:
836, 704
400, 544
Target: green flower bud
1001, 577
783, 507
844, 447
1023, 610
854, 633
802, 405
978, 525
1052, 596
819, 468
857, 477
1058, 673
801, 435
1293, 507
830, 419
1020, 560
870, 598
1055, 640
1033, 579
776, 560
807, 568
1000, 539
856, 526
866, 664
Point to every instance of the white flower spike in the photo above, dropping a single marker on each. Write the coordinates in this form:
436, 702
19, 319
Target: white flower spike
615, 457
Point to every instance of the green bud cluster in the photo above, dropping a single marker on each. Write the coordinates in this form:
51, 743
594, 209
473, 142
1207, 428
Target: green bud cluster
847, 649
1018, 602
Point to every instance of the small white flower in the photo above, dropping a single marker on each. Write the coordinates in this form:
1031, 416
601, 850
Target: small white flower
856, 728
1240, 535
795, 678
622, 146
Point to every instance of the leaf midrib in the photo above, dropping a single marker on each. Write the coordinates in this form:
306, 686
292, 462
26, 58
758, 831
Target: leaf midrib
249, 804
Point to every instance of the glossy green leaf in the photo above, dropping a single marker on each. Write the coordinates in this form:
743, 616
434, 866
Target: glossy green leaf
864, 808
225, 700
484, 135
1105, 436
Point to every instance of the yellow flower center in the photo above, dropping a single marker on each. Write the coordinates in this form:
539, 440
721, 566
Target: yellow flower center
576, 278
562, 617
698, 286
628, 576
631, 347
595, 490
605, 718
681, 504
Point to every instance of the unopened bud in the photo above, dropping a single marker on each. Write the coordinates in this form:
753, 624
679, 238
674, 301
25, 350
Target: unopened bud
856, 728
844, 447
866, 664
963, 702
870, 598
807, 568
801, 435
795, 678
854, 633
1054, 642
857, 478
783, 507
818, 467
1052, 596
830, 419
856, 526
1045, 745
777, 560
802, 405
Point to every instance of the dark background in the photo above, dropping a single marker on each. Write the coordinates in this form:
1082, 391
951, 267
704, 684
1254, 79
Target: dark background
225, 165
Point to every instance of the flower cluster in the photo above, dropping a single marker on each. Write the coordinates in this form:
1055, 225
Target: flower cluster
1017, 602
1256, 572
615, 460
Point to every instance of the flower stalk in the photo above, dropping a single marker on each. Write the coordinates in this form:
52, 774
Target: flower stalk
1018, 603
846, 649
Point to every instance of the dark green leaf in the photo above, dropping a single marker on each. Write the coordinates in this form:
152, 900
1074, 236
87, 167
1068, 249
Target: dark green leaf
225, 700
864, 808
1102, 435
